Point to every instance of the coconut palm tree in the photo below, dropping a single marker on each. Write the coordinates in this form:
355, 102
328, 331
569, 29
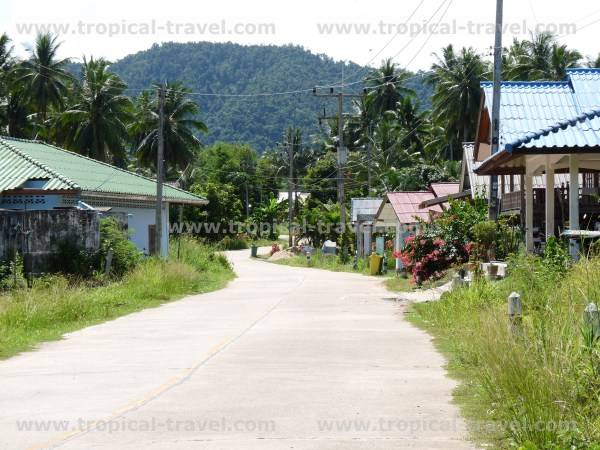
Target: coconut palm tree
45, 75
142, 119
95, 125
386, 88
181, 144
457, 93
541, 58
5, 52
414, 121
594, 63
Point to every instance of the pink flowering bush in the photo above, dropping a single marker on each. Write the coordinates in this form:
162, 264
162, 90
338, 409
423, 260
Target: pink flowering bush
427, 256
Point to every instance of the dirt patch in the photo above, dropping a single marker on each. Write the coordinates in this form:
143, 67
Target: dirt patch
284, 254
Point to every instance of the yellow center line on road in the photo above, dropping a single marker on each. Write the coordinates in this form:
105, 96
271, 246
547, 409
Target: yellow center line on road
178, 379
91, 426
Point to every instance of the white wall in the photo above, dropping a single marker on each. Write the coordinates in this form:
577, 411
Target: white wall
139, 219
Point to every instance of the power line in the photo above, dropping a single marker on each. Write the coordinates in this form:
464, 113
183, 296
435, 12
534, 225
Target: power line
409, 18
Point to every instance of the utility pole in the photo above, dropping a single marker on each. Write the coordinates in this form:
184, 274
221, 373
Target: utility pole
159, 168
342, 156
493, 194
369, 149
290, 150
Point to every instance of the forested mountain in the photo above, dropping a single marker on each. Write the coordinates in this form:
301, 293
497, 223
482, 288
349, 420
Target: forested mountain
227, 68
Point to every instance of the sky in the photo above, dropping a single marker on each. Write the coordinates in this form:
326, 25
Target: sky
365, 32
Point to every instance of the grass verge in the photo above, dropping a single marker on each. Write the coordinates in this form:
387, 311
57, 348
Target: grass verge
538, 388
392, 282
56, 305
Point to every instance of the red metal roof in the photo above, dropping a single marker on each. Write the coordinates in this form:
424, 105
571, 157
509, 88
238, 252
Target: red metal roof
406, 205
444, 189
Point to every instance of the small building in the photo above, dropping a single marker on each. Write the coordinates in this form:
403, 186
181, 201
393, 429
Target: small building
443, 193
402, 211
362, 213
301, 196
546, 129
38, 176
470, 183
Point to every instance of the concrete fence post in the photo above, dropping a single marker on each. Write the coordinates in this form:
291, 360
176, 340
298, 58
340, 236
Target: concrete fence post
592, 319
108, 262
515, 312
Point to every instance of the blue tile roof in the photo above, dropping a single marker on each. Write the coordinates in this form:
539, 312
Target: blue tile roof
545, 114
581, 131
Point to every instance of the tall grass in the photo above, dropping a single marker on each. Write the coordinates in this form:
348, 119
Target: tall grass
540, 387
56, 305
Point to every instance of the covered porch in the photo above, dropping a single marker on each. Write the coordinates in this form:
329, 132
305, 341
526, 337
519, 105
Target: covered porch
553, 189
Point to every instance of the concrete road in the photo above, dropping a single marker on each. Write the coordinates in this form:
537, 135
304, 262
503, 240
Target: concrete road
283, 358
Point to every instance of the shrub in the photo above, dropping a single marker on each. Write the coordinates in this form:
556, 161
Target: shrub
71, 259
125, 254
485, 234
556, 255
233, 243
427, 256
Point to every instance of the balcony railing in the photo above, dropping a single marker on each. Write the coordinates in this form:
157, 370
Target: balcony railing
589, 200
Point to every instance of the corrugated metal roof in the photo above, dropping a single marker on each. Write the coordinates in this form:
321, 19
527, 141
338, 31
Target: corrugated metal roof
444, 189
22, 160
549, 114
580, 131
364, 206
585, 83
406, 205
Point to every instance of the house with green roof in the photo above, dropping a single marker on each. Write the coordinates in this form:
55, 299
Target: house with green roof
38, 176
547, 129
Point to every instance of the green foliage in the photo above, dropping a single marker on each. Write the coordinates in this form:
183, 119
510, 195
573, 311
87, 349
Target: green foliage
223, 208
266, 217
485, 235
320, 222
540, 386
12, 273
44, 75
179, 132
556, 255
233, 243
71, 259
125, 254
233, 68
542, 57
234, 166
95, 122
457, 222
457, 97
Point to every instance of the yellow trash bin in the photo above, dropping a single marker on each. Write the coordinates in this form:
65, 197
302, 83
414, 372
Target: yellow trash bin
375, 264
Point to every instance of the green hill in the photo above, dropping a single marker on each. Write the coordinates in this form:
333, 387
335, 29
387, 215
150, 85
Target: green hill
227, 68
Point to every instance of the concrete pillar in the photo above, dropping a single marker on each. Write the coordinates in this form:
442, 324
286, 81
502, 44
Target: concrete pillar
549, 199
359, 238
368, 233
528, 188
574, 203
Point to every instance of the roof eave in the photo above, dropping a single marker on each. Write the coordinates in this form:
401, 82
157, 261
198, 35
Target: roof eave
144, 198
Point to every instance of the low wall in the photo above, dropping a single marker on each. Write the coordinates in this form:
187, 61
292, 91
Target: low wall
38, 234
